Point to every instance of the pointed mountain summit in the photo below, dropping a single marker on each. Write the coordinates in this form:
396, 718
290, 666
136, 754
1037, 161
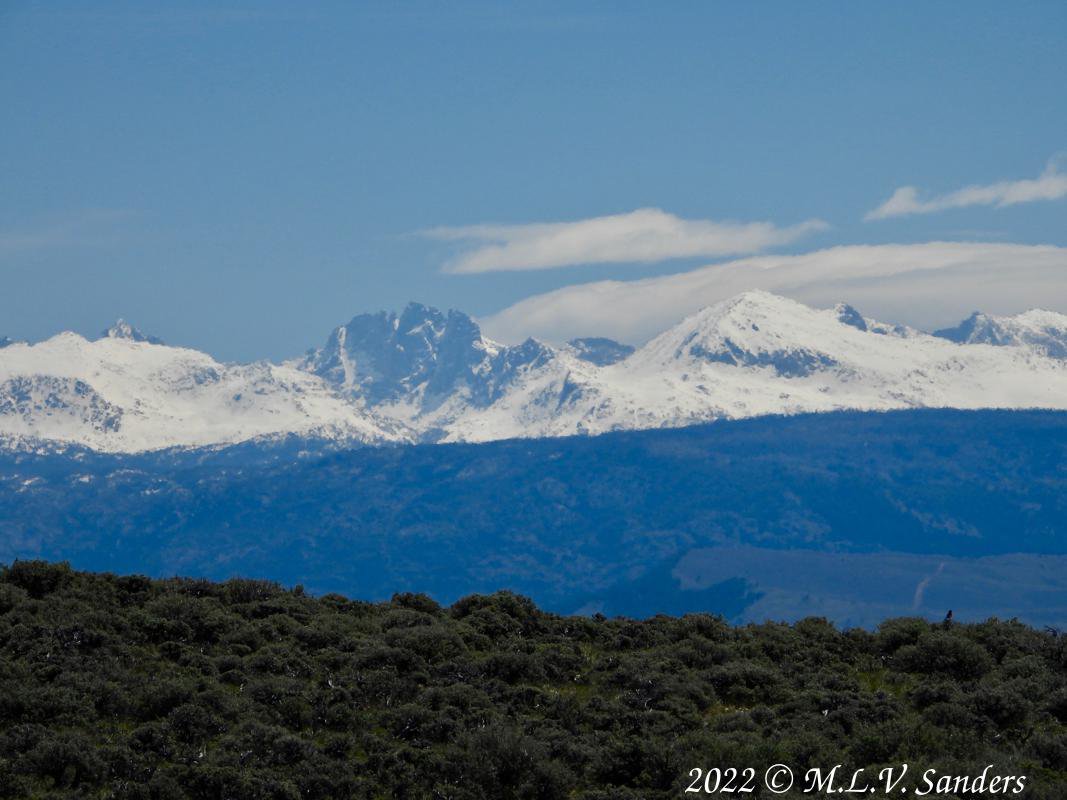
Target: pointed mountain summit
420, 355
763, 330
848, 315
124, 330
753, 329
1044, 331
978, 328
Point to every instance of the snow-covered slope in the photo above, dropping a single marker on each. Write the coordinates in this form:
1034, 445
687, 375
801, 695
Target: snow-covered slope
121, 394
424, 375
758, 353
1044, 331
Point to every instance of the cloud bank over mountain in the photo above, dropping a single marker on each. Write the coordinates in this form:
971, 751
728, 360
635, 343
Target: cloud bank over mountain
644, 235
925, 285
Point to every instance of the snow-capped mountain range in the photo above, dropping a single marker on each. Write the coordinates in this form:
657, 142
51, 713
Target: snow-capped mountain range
428, 376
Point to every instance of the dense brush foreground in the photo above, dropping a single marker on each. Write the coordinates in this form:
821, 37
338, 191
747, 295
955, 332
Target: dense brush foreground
136, 688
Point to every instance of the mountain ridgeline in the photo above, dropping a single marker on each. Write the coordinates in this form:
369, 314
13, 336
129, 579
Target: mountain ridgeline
427, 376
852, 516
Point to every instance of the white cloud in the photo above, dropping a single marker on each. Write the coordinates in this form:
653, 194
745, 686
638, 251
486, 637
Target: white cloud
1049, 185
645, 235
925, 285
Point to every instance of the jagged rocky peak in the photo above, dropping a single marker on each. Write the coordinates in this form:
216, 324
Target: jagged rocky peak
417, 354
847, 315
124, 330
978, 328
1045, 331
600, 351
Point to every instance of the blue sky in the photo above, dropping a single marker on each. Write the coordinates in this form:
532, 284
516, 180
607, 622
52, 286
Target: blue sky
243, 177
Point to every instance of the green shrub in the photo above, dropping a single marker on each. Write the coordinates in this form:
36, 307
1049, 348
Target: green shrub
152, 690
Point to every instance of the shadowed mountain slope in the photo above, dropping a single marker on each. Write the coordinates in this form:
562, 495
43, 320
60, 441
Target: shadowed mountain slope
579, 522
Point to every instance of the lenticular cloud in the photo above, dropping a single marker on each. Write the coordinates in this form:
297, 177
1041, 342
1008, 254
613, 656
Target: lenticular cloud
1049, 185
641, 236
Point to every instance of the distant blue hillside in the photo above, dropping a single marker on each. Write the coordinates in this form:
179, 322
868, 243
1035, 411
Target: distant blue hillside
854, 516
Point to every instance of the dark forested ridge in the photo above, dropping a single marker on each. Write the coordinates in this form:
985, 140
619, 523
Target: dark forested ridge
881, 514
128, 687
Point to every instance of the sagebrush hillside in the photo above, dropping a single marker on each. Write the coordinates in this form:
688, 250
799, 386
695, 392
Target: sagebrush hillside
134, 688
